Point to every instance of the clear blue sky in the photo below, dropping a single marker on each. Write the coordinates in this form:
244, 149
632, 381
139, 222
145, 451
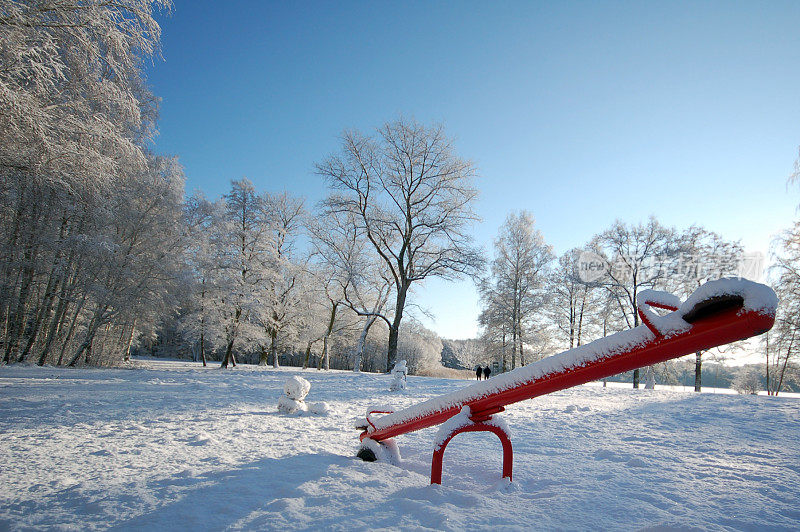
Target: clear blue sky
580, 112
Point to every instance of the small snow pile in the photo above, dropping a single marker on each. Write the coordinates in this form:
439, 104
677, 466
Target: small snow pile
384, 451
455, 423
295, 390
321, 409
399, 374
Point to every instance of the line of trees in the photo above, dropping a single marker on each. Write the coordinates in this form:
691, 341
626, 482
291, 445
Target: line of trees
90, 231
534, 304
101, 253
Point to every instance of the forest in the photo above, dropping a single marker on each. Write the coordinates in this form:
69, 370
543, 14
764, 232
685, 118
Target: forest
105, 255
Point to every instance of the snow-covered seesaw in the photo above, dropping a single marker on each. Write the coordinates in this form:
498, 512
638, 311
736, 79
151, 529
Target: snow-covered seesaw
717, 313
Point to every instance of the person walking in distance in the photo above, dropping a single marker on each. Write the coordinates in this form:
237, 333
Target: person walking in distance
479, 372
486, 372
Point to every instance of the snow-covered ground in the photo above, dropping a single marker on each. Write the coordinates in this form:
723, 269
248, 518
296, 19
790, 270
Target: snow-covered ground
176, 446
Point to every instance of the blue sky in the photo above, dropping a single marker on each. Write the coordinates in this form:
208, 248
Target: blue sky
580, 112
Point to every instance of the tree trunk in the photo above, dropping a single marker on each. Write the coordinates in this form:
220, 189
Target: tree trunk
514, 336
55, 327
635, 324
263, 359
785, 363
273, 349
127, 356
203, 322
394, 330
308, 355
229, 358
580, 318
362, 340
83, 347
323, 357
519, 335
331, 321
698, 363
18, 316
71, 330
88, 353
504, 350
228, 353
203, 342
91, 331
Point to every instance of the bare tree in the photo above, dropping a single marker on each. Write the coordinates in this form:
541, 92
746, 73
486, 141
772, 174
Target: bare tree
637, 257
569, 301
412, 198
356, 275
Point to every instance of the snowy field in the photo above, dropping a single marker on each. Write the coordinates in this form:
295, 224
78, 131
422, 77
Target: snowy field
174, 446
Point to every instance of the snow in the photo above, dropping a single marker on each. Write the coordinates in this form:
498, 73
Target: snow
658, 297
604, 347
175, 446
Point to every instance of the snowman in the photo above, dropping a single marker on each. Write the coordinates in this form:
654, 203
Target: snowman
399, 374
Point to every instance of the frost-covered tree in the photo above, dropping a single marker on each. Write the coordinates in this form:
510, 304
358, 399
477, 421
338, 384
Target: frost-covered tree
747, 381
279, 309
411, 197
355, 276
197, 320
781, 344
570, 305
240, 237
421, 348
79, 195
516, 291
494, 321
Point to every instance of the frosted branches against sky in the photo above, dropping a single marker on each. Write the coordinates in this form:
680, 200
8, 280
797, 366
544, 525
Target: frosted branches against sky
580, 114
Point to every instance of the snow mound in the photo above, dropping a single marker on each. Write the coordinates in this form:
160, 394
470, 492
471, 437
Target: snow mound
399, 373
320, 409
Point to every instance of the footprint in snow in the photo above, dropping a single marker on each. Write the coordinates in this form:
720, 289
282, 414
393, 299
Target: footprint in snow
636, 462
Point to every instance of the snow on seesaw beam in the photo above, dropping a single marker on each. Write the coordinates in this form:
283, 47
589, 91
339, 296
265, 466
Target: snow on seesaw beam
755, 297
180, 447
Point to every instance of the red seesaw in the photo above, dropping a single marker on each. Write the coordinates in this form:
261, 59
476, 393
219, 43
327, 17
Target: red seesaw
717, 313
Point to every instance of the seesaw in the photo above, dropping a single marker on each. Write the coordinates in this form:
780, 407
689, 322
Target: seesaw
717, 313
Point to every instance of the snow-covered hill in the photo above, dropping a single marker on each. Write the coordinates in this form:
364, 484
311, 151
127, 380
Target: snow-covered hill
176, 446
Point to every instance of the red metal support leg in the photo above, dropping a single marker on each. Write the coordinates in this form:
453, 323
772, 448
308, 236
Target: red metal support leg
508, 453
